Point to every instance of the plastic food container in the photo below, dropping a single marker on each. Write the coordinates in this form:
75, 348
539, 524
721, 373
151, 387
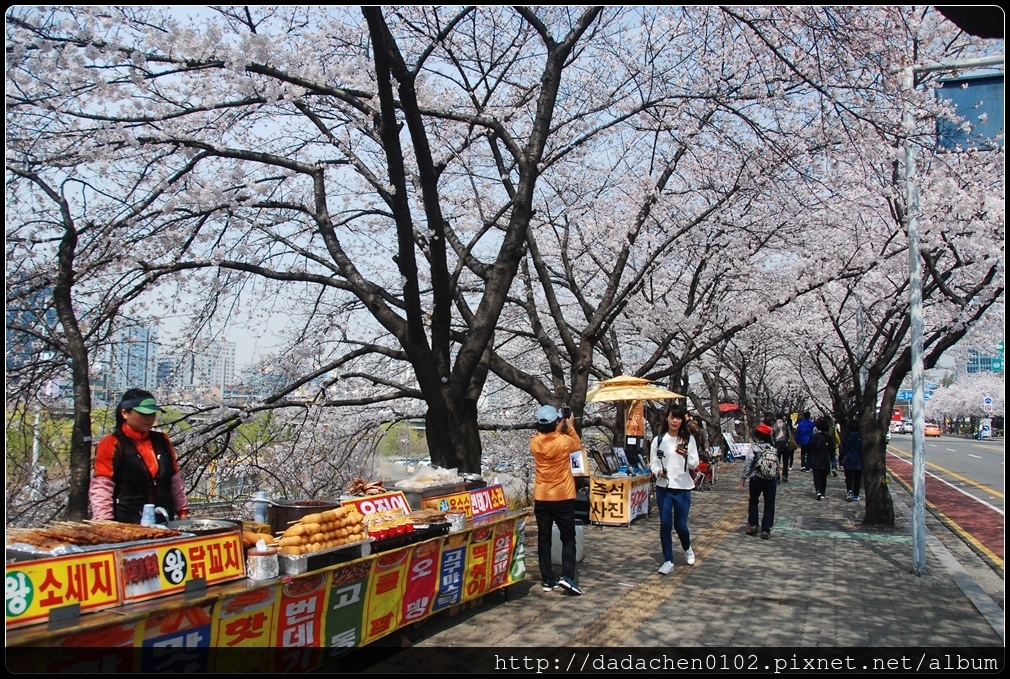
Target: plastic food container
457, 520
262, 565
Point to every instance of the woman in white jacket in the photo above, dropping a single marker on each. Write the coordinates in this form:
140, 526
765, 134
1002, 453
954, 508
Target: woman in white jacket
673, 458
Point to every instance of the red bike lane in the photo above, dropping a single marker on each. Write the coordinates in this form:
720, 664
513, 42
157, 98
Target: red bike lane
983, 525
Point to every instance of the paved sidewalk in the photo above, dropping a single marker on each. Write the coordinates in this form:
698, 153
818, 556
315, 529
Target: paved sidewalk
822, 580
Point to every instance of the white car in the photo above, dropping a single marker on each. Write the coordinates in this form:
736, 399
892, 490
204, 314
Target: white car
906, 427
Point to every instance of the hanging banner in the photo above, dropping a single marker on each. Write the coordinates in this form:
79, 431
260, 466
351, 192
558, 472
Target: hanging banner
300, 616
501, 555
422, 581
634, 421
450, 573
385, 592
346, 604
188, 627
477, 571
299, 630
105, 650
517, 567
247, 621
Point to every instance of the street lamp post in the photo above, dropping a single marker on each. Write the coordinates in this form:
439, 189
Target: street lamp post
915, 311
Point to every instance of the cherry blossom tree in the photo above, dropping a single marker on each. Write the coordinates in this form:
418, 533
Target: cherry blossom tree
436, 196
964, 397
856, 332
324, 142
657, 254
70, 247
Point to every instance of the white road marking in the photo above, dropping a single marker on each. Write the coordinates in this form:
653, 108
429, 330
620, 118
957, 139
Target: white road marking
977, 457
963, 492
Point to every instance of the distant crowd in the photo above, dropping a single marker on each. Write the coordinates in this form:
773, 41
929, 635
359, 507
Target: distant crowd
677, 456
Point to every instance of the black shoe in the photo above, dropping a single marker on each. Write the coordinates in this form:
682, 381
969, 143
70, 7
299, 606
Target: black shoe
549, 585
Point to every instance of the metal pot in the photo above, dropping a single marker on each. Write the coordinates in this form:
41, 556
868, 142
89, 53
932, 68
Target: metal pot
282, 513
205, 526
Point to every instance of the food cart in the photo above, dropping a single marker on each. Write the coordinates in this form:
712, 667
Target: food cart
619, 491
91, 611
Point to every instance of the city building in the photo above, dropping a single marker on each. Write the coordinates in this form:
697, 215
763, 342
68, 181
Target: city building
977, 362
133, 359
207, 372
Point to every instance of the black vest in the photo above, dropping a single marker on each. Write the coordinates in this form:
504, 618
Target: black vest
134, 486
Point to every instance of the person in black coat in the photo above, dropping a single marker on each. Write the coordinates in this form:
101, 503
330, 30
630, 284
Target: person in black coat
852, 461
821, 451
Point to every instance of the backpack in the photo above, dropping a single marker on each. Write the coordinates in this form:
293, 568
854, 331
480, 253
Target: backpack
766, 462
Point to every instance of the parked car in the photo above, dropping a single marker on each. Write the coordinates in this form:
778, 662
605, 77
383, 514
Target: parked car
932, 429
896, 427
906, 427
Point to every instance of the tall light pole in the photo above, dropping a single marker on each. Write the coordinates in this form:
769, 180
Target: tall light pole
915, 290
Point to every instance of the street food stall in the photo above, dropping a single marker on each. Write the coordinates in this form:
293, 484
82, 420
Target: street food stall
335, 579
619, 491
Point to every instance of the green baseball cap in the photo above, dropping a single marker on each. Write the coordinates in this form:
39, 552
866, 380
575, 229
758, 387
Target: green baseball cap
146, 406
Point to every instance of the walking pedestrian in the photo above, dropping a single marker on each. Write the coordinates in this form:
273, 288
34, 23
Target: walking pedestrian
554, 494
820, 450
836, 439
761, 469
673, 458
852, 461
804, 429
781, 435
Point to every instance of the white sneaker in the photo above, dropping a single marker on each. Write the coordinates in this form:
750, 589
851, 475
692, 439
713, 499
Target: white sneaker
690, 556
666, 568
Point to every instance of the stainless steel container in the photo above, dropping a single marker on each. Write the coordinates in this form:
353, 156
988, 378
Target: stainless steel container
282, 513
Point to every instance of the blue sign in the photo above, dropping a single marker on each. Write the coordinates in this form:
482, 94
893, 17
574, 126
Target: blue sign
904, 395
926, 395
978, 103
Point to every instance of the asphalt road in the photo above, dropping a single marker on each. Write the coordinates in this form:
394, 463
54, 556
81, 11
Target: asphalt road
964, 487
976, 467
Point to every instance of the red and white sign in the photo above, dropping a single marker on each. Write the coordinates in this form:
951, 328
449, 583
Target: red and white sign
487, 500
394, 502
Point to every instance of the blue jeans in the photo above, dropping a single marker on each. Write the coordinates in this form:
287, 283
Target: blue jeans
674, 506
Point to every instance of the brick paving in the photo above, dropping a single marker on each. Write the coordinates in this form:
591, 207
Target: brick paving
822, 580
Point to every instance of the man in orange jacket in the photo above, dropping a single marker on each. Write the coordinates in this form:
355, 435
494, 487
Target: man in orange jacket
554, 494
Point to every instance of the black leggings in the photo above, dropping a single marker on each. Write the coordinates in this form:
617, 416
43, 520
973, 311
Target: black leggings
821, 481
852, 479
